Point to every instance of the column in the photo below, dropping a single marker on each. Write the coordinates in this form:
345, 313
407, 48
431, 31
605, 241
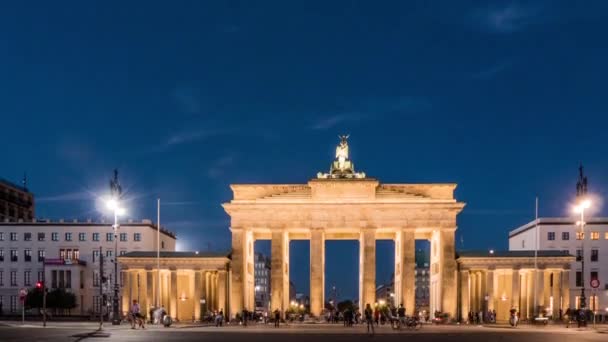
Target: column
540, 290
448, 272
317, 272
367, 268
473, 293
279, 272
405, 268
173, 295
515, 288
221, 290
198, 280
205, 292
213, 291
490, 293
465, 296
126, 290
565, 290
555, 293
530, 291
149, 286
238, 287
546, 294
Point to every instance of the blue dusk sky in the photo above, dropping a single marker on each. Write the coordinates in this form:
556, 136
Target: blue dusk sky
186, 97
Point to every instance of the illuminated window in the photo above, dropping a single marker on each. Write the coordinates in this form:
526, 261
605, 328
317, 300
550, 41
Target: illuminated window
606, 236
593, 304
580, 235
595, 235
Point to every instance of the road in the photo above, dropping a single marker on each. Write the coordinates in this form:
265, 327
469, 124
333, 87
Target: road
86, 332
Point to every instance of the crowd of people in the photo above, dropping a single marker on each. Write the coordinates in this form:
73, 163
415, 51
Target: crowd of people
481, 317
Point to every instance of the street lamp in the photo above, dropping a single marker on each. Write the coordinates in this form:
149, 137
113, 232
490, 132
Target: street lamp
583, 204
113, 204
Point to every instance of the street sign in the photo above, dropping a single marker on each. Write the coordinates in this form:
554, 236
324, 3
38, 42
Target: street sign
595, 283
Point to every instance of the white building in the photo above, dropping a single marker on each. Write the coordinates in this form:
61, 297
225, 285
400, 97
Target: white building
70, 254
262, 282
563, 234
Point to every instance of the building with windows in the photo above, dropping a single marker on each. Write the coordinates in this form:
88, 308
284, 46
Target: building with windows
562, 234
423, 280
16, 202
68, 253
262, 282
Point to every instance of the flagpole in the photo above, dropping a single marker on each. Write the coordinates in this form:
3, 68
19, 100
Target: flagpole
536, 257
158, 253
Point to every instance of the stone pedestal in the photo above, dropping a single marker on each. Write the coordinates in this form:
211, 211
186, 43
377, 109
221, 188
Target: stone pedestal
317, 272
367, 267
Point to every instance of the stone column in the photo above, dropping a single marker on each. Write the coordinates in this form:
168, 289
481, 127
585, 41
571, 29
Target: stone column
149, 286
546, 294
490, 293
405, 268
465, 296
173, 295
473, 292
530, 293
279, 272
238, 287
198, 286
540, 290
126, 291
448, 272
555, 293
205, 292
317, 272
515, 287
367, 267
565, 290
213, 290
221, 290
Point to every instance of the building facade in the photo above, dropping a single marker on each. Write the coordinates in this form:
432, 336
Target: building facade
501, 281
16, 202
189, 285
423, 280
66, 255
562, 234
262, 282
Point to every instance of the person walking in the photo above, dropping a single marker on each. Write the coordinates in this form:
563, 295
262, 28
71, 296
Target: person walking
369, 319
277, 318
401, 314
137, 316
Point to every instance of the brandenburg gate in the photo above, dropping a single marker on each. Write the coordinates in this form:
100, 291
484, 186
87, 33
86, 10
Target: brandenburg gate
344, 205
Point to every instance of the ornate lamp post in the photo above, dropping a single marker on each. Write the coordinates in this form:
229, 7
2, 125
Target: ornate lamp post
583, 203
113, 204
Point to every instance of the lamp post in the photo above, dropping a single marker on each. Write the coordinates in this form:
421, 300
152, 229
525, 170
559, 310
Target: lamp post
113, 204
583, 203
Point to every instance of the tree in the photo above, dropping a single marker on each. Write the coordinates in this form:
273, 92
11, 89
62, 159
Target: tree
60, 299
34, 298
346, 304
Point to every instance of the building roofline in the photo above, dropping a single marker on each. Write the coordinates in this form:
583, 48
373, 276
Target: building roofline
76, 223
14, 185
556, 221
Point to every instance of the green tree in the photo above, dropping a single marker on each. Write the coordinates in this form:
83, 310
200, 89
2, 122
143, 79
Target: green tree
346, 304
34, 298
59, 299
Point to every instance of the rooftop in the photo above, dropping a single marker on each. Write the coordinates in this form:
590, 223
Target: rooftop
510, 254
87, 222
190, 254
557, 221
13, 185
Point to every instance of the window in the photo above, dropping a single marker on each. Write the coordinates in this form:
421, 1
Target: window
27, 255
95, 255
27, 236
1, 278
68, 236
55, 236
41, 255
109, 236
13, 303
95, 236
69, 254
605, 236
565, 236
40, 276
594, 275
137, 236
54, 279
123, 236
13, 236
579, 279
1, 236
61, 278
594, 255
76, 254
1, 255
14, 257
580, 235
595, 235
579, 254
40, 236
95, 278
109, 253
551, 236
13, 278
593, 303
123, 252
27, 278
523, 243
162, 244
68, 279
81, 236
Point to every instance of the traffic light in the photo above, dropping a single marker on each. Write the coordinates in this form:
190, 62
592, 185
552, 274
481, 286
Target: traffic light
39, 285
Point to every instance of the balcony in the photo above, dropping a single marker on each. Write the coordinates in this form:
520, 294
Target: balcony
66, 262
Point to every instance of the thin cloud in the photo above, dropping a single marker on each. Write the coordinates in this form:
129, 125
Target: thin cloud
67, 197
511, 18
218, 167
